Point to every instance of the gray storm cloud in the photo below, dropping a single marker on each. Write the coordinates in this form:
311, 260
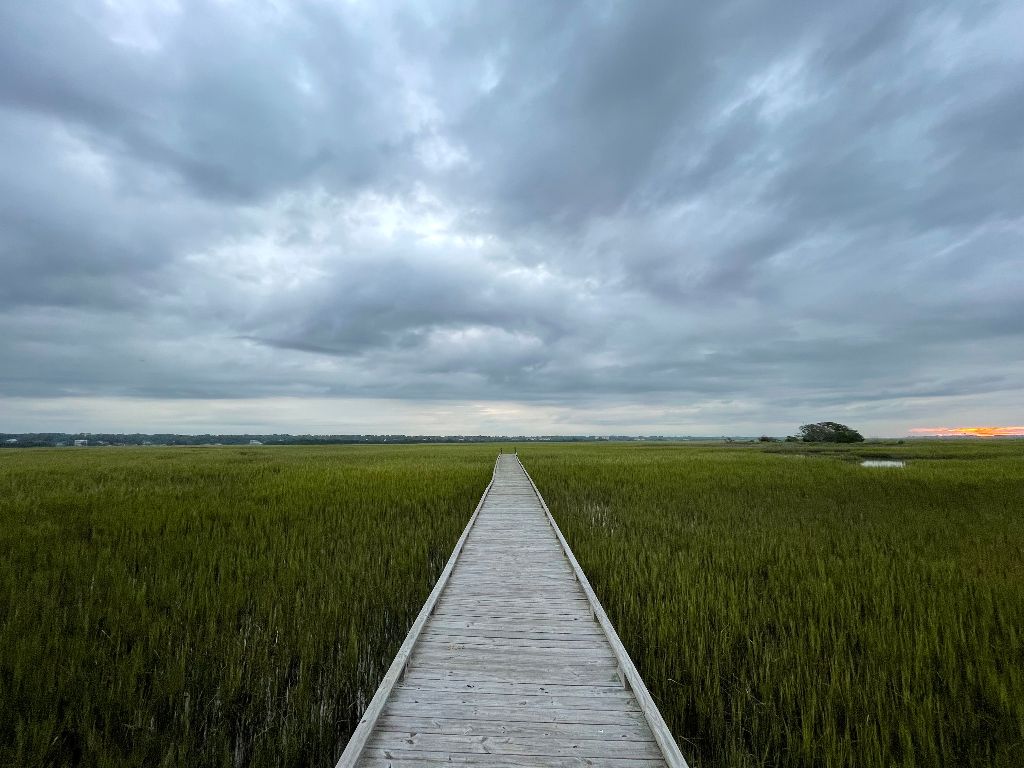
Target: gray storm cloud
729, 214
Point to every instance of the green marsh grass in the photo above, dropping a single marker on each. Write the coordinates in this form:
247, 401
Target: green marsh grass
213, 606
807, 611
238, 606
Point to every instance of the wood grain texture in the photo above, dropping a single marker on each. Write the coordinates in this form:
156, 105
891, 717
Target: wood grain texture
511, 662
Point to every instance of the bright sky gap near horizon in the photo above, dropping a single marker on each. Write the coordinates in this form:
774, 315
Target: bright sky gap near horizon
510, 218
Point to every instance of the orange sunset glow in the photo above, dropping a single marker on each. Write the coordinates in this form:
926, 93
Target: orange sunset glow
971, 431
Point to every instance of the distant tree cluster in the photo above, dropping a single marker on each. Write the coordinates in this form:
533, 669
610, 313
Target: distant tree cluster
827, 432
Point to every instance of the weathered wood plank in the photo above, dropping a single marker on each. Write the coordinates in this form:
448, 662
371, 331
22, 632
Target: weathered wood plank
526, 675
502, 633
519, 635
512, 603
516, 729
608, 693
568, 620
477, 698
556, 628
499, 714
400, 758
509, 745
553, 651
554, 654
510, 658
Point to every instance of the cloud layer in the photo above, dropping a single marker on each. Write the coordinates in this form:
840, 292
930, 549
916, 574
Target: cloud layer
605, 216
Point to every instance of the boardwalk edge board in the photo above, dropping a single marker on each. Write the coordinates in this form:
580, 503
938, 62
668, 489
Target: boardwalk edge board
368, 721
627, 670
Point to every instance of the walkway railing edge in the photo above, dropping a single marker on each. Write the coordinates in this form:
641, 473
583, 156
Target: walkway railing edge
628, 671
361, 735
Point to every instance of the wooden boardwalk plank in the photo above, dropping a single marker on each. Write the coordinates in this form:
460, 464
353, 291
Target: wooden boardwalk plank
512, 661
449, 692
552, 746
526, 730
409, 759
507, 715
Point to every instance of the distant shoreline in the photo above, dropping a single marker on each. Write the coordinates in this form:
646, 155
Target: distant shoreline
95, 439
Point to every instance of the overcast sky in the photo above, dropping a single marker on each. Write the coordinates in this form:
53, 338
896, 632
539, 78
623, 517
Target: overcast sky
521, 217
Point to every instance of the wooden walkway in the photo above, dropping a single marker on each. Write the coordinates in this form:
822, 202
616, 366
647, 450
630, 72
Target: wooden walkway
512, 661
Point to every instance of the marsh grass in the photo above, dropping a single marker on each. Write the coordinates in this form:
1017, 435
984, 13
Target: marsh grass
811, 613
238, 606
215, 606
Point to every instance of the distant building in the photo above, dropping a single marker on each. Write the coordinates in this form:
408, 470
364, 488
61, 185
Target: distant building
11, 440
255, 442
81, 443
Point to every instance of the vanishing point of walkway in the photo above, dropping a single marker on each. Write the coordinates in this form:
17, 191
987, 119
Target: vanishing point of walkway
512, 661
